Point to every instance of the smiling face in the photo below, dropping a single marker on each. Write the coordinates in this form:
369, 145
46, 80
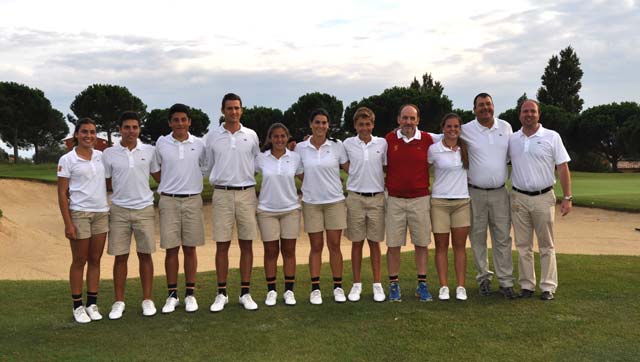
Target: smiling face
319, 126
86, 135
232, 111
129, 130
483, 109
364, 127
408, 120
529, 115
451, 128
180, 124
278, 139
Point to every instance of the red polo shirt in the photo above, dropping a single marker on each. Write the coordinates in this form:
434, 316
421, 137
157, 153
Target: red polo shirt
407, 165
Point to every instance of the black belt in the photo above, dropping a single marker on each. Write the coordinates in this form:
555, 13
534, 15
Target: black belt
233, 188
533, 193
485, 189
367, 194
178, 195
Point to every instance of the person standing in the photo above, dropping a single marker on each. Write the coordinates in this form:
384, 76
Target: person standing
279, 210
450, 210
408, 205
82, 198
128, 165
323, 204
487, 139
535, 151
231, 152
365, 201
181, 158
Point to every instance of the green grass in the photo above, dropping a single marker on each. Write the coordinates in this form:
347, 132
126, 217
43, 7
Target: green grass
614, 191
594, 317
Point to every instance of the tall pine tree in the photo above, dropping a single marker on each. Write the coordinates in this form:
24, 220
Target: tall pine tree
561, 82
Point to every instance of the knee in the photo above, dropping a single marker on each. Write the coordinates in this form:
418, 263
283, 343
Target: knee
271, 251
189, 251
94, 260
246, 246
222, 248
79, 261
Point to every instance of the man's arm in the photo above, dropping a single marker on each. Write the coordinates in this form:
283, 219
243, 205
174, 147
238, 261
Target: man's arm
565, 182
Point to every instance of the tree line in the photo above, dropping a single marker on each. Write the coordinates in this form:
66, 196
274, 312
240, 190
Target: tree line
597, 138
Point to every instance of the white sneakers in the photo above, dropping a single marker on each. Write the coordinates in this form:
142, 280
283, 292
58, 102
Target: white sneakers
444, 293
378, 293
116, 310
316, 297
93, 312
289, 298
338, 295
190, 304
219, 303
170, 305
148, 308
248, 302
271, 299
461, 293
354, 294
80, 315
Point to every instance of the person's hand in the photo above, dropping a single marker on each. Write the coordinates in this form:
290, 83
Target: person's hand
70, 232
565, 207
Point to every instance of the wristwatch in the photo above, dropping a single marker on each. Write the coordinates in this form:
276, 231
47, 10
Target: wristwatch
568, 197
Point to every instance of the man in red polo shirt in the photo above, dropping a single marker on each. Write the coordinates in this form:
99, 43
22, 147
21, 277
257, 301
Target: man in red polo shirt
407, 183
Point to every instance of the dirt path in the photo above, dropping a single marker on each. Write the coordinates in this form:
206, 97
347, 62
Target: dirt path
32, 243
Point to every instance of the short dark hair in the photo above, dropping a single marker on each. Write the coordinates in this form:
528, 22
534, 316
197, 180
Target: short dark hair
409, 105
481, 95
126, 115
319, 111
179, 108
79, 123
231, 97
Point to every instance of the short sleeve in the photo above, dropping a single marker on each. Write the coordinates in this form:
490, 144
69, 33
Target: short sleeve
560, 154
299, 168
107, 164
385, 147
342, 154
430, 155
154, 166
64, 167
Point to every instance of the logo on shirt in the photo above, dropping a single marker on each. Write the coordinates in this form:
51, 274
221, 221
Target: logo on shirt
395, 147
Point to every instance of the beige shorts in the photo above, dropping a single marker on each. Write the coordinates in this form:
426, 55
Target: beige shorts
123, 222
279, 225
321, 217
89, 223
410, 213
231, 207
181, 221
450, 213
365, 217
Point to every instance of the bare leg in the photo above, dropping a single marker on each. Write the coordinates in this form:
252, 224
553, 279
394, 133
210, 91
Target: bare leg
171, 265
442, 260
222, 260
393, 260
246, 259
288, 248
96, 248
146, 275
271, 252
376, 260
335, 254
315, 254
120, 276
422, 253
356, 260
190, 263
79, 257
459, 240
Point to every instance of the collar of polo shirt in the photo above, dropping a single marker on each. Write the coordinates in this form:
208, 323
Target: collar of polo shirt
416, 136
189, 139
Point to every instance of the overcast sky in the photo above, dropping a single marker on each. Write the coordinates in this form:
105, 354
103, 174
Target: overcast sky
271, 53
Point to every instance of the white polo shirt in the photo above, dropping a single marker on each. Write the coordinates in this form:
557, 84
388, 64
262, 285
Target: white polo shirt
87, 185
365, 164
129, 173
488, 152
181, 163
231, 156
450, 178
534, 158
278, 191
322, 183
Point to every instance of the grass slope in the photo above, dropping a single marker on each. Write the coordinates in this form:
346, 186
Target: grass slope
593, 318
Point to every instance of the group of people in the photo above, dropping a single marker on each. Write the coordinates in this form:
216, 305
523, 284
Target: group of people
388, 195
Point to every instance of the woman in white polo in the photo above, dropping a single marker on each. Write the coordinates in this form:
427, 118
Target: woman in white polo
323, 205
279, 210
82, 197
450, 203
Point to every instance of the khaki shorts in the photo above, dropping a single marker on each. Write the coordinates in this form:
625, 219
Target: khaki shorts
279, 225
365, 217
123, 222
231, 207
450, 213
321, 217
181, 221
89, 223
412, 213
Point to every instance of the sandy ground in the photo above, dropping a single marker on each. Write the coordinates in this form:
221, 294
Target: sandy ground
32, 243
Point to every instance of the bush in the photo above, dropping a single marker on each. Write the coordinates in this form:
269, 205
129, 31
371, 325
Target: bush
588, 162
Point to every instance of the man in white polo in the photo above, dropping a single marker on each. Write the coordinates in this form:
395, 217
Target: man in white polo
182, 159
231, 152
535, 152
127, 166
365, 201
488, 143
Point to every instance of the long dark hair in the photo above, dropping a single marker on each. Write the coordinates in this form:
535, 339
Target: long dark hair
267, 142
79, 124
464, 153
322, 112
